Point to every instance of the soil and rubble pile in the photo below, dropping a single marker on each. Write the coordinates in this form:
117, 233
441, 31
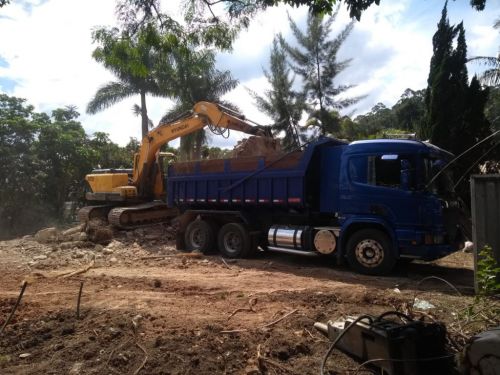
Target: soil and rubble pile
257, 146
93, 241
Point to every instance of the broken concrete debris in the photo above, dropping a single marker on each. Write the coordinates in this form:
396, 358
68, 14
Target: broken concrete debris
47, 235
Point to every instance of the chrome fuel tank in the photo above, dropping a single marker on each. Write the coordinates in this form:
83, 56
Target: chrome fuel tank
285, 236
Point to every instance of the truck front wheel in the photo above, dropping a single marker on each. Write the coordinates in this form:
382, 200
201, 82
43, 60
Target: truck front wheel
200, 236
369, 251
234, 241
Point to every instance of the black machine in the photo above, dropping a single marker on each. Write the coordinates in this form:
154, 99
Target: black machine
392, 348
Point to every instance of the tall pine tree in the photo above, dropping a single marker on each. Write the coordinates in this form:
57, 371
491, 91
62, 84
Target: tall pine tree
282, 103
455, 117
449, 99
315, 60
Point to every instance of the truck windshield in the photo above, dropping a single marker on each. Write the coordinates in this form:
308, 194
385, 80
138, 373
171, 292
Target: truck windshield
443, 184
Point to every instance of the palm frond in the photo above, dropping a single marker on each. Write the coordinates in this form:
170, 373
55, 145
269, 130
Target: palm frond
109, 94
490, 77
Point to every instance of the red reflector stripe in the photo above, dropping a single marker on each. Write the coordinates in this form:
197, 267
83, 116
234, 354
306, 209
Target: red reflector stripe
294, 200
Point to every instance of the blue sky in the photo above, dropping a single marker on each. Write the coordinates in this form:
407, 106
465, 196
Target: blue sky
46, 55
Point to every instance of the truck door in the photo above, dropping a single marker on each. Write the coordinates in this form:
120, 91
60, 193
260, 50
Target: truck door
382, 186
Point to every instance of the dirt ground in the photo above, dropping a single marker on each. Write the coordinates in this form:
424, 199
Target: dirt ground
147, 309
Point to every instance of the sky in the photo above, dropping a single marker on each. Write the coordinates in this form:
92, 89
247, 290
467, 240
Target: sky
46, 47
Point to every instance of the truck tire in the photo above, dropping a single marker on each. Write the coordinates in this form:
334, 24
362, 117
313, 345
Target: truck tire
200, 236
369, 251
234, 241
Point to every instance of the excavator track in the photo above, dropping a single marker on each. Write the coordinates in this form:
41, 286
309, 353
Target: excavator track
92, 212
141, 214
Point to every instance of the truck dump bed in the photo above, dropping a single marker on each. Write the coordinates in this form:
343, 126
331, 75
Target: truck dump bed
288, 180
277, 180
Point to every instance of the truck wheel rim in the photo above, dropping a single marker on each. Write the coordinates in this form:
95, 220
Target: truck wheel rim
197, 238
369, 253
232, 242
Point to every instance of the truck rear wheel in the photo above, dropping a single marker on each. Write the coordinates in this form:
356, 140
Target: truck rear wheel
200, 236
369, 251
234, 241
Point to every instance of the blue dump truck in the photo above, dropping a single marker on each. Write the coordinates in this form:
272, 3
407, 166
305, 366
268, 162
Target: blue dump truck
369, 203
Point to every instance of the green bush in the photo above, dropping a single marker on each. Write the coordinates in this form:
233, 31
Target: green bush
488, 272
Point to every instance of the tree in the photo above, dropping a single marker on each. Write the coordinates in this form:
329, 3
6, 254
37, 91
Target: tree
19, 167
410, 110
135, 63
214, 153
134, 15
65, 158
455, 117
315, 60
476, 125
43, 162
238, 8
196, 79
282, 103
107, 154
143, 51
450, 99
375, 122
492, 109
445, 93
491, 76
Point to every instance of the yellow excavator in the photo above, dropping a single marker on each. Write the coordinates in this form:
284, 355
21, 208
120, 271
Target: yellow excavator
129, 198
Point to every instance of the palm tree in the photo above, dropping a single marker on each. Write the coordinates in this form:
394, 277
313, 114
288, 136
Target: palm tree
196, 79
490, 76
135, 63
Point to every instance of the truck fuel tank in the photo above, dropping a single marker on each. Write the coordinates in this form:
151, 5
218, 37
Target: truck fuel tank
322, 240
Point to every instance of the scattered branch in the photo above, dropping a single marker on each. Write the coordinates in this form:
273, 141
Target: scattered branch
180, 255
234, 331
117, 348
251, 304
315, 339
145, 358
240, 310
262, 327
261, 360
280, 319
77, 272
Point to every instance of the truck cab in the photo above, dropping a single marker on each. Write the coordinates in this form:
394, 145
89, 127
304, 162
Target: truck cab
386, 194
